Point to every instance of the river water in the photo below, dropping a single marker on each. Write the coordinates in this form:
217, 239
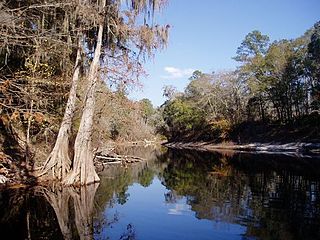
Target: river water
175, 194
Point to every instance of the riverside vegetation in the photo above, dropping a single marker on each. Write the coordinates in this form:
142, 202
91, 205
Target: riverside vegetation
272, 96
62, 63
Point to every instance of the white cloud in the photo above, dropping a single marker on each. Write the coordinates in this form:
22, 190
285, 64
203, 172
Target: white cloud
175, 73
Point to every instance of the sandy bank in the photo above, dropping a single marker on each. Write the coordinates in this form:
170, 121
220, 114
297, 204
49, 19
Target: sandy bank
294, 148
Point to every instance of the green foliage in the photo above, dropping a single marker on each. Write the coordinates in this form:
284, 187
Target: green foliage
313, 66
208, 99
145, 177
221, 128
181, 116
253, 45
277, 78
196, 75
146, 109
275, 82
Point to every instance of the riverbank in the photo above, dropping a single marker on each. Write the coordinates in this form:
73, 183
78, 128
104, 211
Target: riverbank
14, 173
296, 149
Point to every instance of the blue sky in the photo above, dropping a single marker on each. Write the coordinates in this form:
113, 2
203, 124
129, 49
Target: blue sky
205, 34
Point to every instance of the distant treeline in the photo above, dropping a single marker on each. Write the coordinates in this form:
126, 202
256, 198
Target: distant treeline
275, 82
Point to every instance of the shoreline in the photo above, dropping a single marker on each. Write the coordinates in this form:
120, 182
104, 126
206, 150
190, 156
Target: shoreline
295, 149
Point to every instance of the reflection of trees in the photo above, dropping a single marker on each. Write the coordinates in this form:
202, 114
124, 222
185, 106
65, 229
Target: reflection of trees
55, 212
47, 212
288, 207
129, 234
114, 185
210, 195
58, 198
25, 215
12, 207
115, 180
171, 197
286, 196
146, 176
83, 207
276, 197
82, 202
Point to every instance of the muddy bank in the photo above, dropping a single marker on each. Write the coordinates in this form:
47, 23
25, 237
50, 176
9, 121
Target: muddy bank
296, 149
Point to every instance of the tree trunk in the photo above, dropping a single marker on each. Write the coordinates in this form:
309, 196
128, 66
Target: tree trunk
262, 112
83, 171
59, 161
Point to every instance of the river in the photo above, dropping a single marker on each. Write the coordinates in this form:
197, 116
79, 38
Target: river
175, 194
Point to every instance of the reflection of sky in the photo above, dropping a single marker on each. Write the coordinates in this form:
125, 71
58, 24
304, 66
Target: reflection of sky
179, 209
153, 218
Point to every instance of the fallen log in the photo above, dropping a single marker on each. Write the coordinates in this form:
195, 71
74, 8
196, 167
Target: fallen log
108, 158
115, 158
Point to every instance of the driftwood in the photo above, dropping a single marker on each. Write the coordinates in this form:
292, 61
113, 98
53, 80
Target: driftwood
113, 158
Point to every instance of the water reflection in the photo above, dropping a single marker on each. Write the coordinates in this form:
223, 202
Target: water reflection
275, 197
48, 212
176, 194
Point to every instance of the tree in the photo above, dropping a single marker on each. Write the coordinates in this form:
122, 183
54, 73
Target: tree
253, 45
36, 56
195, 75
146, 108
181, 116
92, 37
313, 65
275, 82
251, 54
219, 95
59, 161
150, 38
83, 171
169, 91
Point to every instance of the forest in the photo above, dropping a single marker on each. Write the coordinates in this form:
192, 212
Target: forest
275, 91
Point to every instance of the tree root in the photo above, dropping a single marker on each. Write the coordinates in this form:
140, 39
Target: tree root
58, 161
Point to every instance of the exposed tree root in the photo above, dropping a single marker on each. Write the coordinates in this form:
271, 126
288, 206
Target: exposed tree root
58, 161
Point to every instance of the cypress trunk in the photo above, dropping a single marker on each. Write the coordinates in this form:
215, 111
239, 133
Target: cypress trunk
83, 171
59, 161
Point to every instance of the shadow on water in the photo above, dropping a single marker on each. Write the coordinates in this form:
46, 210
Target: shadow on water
272, 197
